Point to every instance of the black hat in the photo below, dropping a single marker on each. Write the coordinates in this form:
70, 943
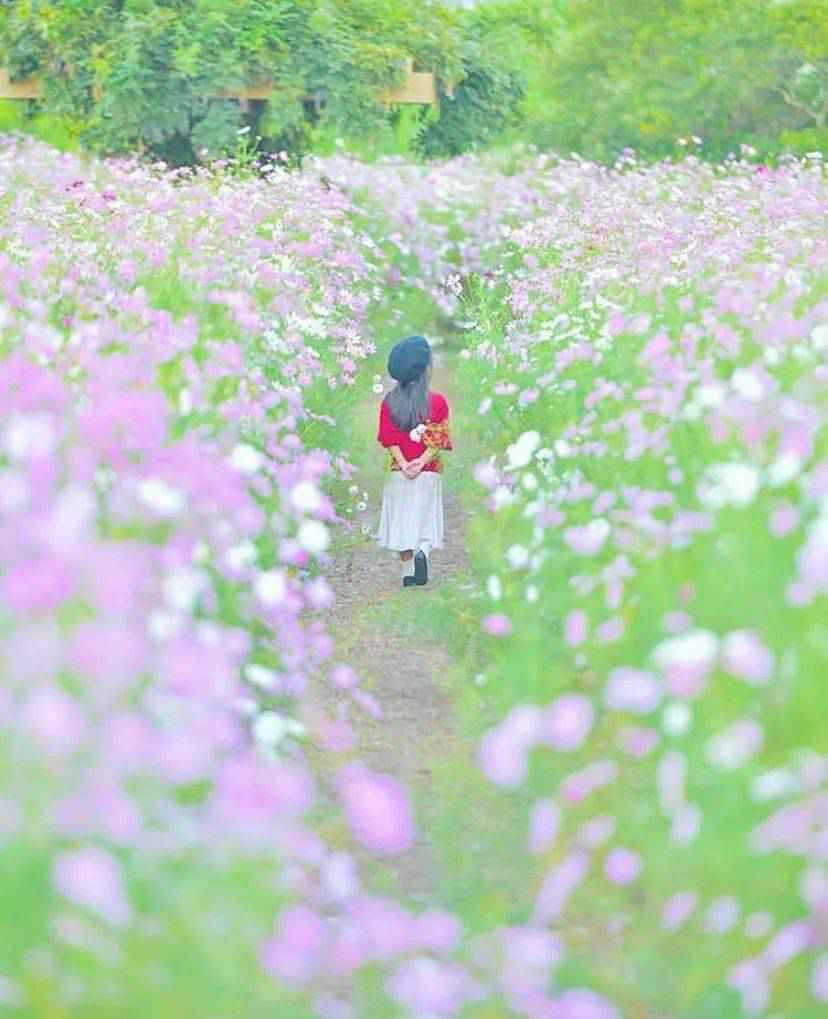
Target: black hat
409, 359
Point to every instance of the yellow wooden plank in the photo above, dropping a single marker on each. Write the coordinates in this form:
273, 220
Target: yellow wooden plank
419, 88
30, 88
259, 90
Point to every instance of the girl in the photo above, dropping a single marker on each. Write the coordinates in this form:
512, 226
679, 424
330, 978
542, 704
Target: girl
413, 427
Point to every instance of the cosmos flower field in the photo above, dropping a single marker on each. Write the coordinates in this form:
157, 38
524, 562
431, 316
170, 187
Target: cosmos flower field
640, 371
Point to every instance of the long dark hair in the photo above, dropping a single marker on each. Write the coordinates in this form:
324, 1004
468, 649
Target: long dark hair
409, 402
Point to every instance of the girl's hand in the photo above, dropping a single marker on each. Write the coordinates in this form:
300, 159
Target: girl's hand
413, 468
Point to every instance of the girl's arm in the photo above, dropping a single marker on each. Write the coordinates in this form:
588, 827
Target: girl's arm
401, 460
415, 466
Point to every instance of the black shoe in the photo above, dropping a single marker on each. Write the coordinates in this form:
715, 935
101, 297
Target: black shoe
420, 569
409, 581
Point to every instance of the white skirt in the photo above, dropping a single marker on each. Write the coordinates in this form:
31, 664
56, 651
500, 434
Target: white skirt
412, 511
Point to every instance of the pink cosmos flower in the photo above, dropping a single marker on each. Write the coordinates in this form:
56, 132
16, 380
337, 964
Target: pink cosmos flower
744, 655
678, 909
378, 810
295, 953
819, 978
622, 866
91, 878
581, 1003
544, 823
497, 624
575, 627
567, 722
632, 690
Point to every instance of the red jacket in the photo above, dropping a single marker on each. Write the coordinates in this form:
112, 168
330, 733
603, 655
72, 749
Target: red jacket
435, 433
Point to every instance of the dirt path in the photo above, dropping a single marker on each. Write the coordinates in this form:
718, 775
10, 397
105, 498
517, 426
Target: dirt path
373, 626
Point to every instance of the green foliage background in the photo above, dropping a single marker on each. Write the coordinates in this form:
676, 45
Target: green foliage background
150, 74
643, 74
590, 76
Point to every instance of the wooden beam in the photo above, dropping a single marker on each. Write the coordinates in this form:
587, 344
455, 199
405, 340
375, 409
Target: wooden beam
259, 90
419, 87
29, 88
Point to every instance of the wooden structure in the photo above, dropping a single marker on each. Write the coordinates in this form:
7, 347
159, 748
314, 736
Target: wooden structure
30, 88
418, 88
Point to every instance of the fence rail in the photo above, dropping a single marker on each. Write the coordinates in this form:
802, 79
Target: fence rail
418, 88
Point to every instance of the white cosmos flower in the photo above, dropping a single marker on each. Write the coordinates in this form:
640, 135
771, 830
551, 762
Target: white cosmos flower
417, 433
770, 785
747, 385
270, 728
241, 555
185, 402
313, 536
306, 497
28, 435
377, 387
532, 593
676, 718
161, 497
710, 395
14, 492
517, 556
161, 624
783, 470
502, 497
201, 552
271, 587
495, 588
246, 459
519, 453
735, 745
182, 587
697, 649
728, 484
819, 336
260, 676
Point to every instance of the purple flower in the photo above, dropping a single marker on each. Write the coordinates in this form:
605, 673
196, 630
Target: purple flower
589, 539
497, 624
295, 953
558, 886
504, 749
678, 909
567, 722
576, 627
638, 741
55, 720
544, 823
428, 987
91, 878
622, 866
581, 1003
38, 585
438, 931
378, 810
744, 655
819, 978
632, 690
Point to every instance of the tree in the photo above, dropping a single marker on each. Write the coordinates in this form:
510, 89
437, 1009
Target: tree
151, 73
646, 74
